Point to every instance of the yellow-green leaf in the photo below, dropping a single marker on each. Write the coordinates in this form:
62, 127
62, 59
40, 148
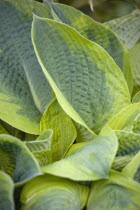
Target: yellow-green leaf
87, 161
49, 192
64, 132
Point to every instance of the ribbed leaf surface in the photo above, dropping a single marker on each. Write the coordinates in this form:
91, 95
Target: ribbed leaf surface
117, 193
48, 192
88, 84
124, 118
24, 91
127, 28
64, 132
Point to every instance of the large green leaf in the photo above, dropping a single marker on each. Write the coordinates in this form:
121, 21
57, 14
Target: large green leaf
135, 61
88, 84
125, 118
117, 193
16, 159
6, 192
89, 161
98, 33
64, 132
24, 91
54, 193
127, 28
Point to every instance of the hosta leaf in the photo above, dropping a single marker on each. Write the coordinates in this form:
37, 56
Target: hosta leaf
43, 142
136, 125
135, 61
83, 134
98, 33
91, 30
16, 160
125, 118
136, 97
49, 192
132, 167
24, 91
64, 132
81, 73
6, 192
89, 161
3, 130
117, 193
13, 131
41, 147
127, 28
129, 143
121, 161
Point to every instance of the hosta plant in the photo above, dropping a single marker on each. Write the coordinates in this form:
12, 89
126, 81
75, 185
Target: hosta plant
69, 109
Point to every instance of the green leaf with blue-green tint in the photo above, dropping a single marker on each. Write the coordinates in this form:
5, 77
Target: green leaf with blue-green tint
24, 90
98, 33
87, 82
127, 28
119, 192
16, 159
6, 192
50, 192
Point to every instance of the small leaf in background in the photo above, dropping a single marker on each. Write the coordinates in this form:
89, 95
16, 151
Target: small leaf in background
6, 192
87, 82
136, 125
43, 142
117, 193
24, 90
136, 98
127, 28
41, 147
129, 143
83, 134
135, 61
64, 132
125, 118
50, 192
132, 167
16, 160
90, 161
